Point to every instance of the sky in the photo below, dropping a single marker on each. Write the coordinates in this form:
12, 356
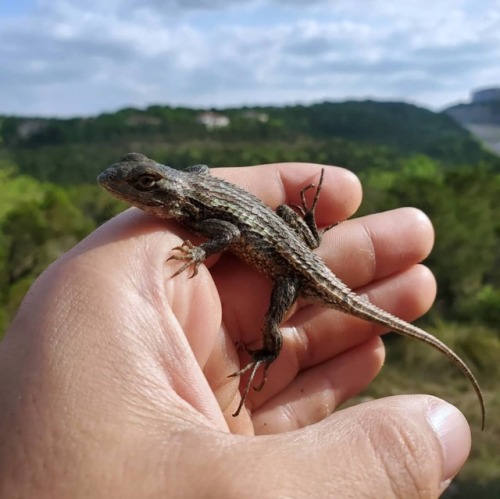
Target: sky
84, 57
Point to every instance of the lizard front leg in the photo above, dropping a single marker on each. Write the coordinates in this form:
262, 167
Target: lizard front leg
283, 295
220, 235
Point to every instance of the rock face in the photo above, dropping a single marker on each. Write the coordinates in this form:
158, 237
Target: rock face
481, 116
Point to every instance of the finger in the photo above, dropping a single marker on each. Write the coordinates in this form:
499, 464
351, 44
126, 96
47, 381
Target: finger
281, 183
374, 246
324, 334
407, 446
365, 249
315, 393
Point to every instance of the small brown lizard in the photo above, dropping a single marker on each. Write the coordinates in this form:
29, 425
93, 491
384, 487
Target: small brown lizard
279, 244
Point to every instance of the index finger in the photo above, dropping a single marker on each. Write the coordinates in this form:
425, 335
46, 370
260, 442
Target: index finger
281, 183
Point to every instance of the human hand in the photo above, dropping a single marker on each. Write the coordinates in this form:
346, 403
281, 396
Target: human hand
113, 376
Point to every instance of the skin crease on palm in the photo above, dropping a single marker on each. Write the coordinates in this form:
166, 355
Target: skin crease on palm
113, 376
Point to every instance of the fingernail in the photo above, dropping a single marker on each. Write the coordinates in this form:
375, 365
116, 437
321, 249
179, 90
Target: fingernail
453, 432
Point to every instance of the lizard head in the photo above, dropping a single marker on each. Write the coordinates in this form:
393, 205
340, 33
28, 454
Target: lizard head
144, 183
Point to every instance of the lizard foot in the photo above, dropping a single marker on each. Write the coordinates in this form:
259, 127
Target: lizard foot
193, 254
309, 212
259, 357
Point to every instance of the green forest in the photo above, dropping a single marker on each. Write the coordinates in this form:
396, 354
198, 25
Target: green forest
404, 155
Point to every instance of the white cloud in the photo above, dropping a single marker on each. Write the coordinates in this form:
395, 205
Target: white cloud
88, 57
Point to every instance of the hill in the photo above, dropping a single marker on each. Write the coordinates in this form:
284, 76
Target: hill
356, 134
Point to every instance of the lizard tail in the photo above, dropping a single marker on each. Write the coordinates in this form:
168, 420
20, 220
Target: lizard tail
368, 311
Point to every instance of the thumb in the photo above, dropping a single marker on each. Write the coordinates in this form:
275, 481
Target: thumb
405, 446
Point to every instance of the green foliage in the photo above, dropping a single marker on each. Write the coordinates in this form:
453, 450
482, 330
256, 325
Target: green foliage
484, 306
33, 234
13, 298
94, 203
15, 188
463, 206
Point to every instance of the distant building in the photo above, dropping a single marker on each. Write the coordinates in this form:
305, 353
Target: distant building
213, 120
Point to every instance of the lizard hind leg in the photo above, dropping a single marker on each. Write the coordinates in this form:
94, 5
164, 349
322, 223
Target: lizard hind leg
283, 295
302, 218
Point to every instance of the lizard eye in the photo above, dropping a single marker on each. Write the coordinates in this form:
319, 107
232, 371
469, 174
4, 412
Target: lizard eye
145, 182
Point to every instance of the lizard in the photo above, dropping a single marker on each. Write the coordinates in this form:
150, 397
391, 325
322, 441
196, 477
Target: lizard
278, 243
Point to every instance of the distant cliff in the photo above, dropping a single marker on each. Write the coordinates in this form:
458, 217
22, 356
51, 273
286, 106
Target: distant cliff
481, 116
